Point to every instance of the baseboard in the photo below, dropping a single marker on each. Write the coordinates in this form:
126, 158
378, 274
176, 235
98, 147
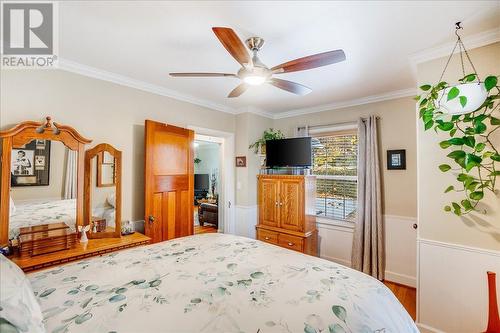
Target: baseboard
427, 329
338, 260
403, 279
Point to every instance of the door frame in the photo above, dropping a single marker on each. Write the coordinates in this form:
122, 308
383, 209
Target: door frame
227, 173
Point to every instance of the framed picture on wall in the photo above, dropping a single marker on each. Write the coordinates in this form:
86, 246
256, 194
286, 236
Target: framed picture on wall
30, 164
396, 159
241, 161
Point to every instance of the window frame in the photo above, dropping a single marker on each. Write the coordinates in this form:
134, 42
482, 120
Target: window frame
335, 131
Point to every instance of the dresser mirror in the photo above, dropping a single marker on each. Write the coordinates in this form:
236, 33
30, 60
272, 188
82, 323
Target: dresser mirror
42, 178
103, 191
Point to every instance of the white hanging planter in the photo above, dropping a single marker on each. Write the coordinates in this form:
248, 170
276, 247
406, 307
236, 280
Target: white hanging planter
475, 94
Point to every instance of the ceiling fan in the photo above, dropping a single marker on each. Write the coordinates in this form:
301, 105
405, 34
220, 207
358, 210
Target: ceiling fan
253, 72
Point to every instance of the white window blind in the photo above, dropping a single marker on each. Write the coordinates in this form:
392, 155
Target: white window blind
335, 156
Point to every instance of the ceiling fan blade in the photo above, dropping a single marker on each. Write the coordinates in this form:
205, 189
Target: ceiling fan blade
290, 86
238, 90
233, 44
201, 75
309, 62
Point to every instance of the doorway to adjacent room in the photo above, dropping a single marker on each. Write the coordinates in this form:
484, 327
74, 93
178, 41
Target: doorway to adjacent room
207, 183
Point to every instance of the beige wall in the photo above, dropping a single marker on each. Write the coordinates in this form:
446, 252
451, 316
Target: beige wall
103, 112
54, 190
479, 230
396, 130
249, 128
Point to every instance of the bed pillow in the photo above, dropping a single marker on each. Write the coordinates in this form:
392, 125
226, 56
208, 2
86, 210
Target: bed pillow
12, 207
18, 305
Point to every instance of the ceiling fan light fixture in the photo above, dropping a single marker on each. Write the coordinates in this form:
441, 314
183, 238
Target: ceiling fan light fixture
254, 80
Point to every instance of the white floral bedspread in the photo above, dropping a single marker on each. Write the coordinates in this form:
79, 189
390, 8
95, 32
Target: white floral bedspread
42, 212
215, 283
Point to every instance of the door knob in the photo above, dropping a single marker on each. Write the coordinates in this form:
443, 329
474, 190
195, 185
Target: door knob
276, 203
151, 218
415, 226
290, 244
281, 204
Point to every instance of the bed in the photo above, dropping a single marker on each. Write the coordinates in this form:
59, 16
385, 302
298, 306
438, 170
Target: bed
42, 212
214, 283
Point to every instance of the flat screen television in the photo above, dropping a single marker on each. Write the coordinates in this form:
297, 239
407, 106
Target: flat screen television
201, 182
296, 152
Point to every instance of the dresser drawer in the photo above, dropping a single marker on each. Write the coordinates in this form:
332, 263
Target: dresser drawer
291, 242
267, 236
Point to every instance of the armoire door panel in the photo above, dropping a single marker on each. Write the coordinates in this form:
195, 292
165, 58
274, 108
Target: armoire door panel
269, 202
291, 205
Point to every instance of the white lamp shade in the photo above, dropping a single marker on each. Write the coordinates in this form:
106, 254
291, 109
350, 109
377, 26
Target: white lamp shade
476, 95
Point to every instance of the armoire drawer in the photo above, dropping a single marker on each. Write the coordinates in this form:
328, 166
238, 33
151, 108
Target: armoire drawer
267, 236
291, 242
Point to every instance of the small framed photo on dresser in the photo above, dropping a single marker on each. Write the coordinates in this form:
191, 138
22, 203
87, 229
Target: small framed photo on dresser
396, 159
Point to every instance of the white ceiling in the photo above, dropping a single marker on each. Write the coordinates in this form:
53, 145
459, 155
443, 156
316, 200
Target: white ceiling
145, 41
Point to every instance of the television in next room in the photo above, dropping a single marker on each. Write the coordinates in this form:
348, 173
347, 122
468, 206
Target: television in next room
201, 182
295, 152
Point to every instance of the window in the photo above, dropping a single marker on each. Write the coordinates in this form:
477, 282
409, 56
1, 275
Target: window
335, 165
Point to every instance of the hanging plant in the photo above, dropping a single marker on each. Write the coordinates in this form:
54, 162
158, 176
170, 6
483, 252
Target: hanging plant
469, 113
197, 160
269, 134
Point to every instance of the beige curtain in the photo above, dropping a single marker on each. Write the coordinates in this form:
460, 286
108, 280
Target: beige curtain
368, 253
70, 190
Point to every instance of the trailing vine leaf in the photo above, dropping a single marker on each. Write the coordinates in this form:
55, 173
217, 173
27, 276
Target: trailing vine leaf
468, 78
463, 101
453, 93
429, 124
456, 154
479, 147
449, 188
494, 121
425, 87
477, 195
490, 82
444, 167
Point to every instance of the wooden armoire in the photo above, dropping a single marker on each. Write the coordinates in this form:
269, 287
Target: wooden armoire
287, 212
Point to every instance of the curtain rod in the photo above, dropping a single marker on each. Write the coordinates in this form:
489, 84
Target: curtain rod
335, 124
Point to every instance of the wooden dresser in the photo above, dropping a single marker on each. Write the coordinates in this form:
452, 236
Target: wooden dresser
287, 212
94, 247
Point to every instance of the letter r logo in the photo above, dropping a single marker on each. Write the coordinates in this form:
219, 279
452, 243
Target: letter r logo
28, 28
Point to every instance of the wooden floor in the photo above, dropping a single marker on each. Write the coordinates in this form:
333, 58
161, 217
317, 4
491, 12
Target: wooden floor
198, 229
406, 295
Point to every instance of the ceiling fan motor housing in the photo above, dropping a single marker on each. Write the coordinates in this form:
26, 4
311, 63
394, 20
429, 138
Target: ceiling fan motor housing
254, 43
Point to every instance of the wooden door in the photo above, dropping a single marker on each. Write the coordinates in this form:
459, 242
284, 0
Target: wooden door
269, 202
291, 204
169, 181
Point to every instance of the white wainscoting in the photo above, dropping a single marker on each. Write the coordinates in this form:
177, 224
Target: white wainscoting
452, 294
245, 221
335, 242
400, 247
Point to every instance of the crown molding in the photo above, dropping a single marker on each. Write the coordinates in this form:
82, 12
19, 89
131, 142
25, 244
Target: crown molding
254, 110
471, 42
96, 73
345, 104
